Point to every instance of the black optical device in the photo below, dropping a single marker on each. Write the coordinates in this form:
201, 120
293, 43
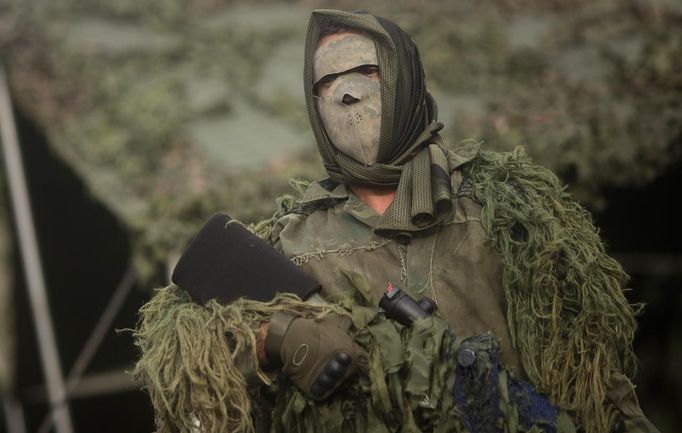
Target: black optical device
225, 262
402, 308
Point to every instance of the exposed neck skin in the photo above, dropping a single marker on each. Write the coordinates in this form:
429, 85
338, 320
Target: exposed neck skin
379, 198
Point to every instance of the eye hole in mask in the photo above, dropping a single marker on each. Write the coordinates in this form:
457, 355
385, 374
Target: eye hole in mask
325, 82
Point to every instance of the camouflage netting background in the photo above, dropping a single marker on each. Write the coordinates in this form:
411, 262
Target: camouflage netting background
170, 110
173, 109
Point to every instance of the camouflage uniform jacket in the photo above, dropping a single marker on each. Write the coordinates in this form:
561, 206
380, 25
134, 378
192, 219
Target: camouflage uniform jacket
330, 235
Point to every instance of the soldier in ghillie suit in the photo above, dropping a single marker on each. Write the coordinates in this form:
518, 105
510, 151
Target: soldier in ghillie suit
533, 332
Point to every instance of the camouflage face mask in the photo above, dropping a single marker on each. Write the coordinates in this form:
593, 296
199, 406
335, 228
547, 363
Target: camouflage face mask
349, 99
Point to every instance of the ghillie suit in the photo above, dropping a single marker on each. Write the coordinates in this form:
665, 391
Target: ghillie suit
415, 383
494, 240
568, 319
566, 312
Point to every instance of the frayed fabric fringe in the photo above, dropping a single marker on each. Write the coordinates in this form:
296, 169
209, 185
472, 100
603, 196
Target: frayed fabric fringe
193, 358
567, 313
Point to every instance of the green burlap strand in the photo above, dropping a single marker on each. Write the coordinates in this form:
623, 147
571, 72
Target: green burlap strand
566, 311
195, 360
567, 316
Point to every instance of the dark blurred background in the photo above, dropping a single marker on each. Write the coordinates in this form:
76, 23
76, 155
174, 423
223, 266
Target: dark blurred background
138, 120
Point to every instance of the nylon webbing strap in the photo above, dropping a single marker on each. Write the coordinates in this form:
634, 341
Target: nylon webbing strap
277, 328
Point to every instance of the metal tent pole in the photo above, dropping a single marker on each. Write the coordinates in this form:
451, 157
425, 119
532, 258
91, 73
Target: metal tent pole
14, 415
95, 339
32, 267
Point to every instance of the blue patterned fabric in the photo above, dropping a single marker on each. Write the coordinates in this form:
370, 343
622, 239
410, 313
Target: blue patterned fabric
478, 396
534, 409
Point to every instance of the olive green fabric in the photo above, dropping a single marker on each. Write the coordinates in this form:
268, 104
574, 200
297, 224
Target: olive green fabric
622, 394
517, 257
451, 264
493, 265
566, 309
408, 387
199, 363
411, 153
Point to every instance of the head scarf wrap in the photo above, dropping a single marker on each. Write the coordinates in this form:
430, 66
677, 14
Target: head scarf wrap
411, 153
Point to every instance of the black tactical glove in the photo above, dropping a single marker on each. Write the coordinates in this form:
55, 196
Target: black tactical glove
317, 355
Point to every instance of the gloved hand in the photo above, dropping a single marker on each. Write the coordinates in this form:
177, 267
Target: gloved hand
318, 356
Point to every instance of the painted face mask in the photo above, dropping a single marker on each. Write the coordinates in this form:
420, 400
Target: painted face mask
348, 97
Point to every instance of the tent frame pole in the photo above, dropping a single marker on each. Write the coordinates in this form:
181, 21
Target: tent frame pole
32, 267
